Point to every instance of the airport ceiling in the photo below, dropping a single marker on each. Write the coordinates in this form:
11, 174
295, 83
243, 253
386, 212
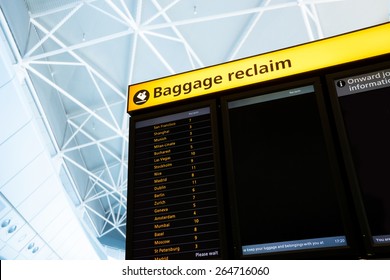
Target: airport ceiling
79, 57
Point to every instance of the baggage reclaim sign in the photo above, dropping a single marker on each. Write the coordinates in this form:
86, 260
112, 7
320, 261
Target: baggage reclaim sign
320, 54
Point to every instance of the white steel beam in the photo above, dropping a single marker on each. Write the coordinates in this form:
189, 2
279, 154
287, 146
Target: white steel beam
104, 12
309, 30
253, 22
187, 46
163, 36
161, 11
111, 212
54, 29
76, 115
136, 28
112, 229
73, 99
125, 8
91, 189
97, 142
95, 177
92, 221
218, 16
62, 63
104, 193
86, 145
86, 206
310, 15
75, 133
314, 15
160, 57
70, 50
107, 168
126, 17
231, 14
60, 9
103, 98
134, 44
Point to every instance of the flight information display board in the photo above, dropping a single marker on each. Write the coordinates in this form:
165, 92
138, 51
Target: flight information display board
363, 102
303, 170
281, 173
175, 188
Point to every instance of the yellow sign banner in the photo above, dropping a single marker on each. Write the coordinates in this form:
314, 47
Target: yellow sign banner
320, 54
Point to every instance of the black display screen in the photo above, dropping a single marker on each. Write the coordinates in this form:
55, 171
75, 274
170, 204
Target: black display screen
284, 185
364, 101
175, 202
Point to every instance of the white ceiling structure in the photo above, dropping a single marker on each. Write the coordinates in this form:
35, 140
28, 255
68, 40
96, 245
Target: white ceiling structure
73, 60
